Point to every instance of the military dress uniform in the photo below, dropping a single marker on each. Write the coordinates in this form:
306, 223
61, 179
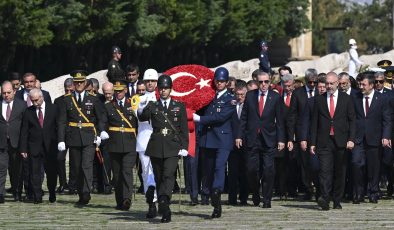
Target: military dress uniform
115, 71
165, 144
80, 135
121, 145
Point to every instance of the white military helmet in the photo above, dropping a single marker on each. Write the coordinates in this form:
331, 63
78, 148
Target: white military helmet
352, 41
151, 74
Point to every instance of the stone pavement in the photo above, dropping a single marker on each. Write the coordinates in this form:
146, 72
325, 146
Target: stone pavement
100, 214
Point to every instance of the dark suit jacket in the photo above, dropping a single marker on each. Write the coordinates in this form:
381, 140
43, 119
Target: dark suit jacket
13, 125
344, 121
47, 97
36, 140
270, 124
297, 110
377, 123
306, 120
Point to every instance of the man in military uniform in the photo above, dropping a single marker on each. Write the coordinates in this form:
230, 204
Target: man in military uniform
169, 139
115, 71
80, 122
216, 140
121, 145
264, 64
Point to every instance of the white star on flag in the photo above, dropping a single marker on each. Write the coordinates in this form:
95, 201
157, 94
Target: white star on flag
203, 83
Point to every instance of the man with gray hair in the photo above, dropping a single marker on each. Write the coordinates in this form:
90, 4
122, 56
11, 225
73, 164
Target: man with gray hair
12, 110
39, 142
295, 125
61, 157
108, 90
345, 84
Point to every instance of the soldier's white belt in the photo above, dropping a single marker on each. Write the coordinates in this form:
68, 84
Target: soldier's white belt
80, 124
122, 129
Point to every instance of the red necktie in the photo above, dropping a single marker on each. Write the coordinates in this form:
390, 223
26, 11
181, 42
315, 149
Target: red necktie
366, 106
332, 111
288, 97
40, 117
8, 112
261, 104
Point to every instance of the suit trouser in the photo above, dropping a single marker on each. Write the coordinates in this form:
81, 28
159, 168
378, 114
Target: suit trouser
261, 162
164, 171
72, 180
304, 159
83, 165
13, 166
362, 155
101, 180
191, 173
36, 163
3, 170
237, 175
281, 175
214, 165
332, 160
122, 167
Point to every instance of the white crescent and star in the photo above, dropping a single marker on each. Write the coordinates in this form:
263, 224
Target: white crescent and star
202, 83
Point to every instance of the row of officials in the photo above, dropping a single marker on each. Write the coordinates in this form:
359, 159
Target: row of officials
337, 133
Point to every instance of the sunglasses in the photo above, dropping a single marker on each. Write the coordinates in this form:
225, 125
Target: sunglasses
312, 82
379, 81
264, 81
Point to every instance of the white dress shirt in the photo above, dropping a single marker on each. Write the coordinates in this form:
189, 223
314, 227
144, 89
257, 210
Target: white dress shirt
123, 100
42, 110
335, 100
370, 96
168, 100
265, 96
221, 93
307, 91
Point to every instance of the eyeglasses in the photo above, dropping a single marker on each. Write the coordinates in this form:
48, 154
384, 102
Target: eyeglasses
264, 81
132, 74
379, 81
312, 82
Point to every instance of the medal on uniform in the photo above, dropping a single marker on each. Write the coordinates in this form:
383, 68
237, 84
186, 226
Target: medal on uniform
175, 119
218, 110
88, 112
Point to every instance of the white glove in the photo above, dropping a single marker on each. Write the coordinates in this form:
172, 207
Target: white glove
143, 101
97, 141
104, 135
183, 152
196, 118
61, 146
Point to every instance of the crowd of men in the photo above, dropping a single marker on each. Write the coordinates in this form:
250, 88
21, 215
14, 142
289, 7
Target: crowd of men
327, 138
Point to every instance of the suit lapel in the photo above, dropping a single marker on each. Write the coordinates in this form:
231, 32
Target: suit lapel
255, 100
267, 102
1, 109
14, 110
373, 102
325, 105
339, 104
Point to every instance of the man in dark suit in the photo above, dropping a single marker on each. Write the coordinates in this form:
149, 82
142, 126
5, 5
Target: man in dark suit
237, 160
216, 140
295, 126
39, 141
10, 124
345, 84
132, 75
61, 158
121, 145
332, 131
262, 132
169, 139
80, 122
373, 124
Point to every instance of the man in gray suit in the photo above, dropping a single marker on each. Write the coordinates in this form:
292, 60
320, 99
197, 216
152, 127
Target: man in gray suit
12, 110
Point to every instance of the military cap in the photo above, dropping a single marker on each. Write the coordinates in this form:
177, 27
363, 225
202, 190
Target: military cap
384, 63
221, 74
164, 81
119, 84
389, 72
116, 49
79, 75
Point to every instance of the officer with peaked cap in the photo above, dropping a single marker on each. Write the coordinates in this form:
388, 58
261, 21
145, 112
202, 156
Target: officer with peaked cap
115, 71
122, 129
216, 140
384, 64
169, 139
263, 58
80, 122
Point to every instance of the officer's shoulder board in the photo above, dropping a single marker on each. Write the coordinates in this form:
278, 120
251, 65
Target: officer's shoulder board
67, 94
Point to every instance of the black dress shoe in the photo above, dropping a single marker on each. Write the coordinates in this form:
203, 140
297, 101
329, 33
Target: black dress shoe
126, 204
38, 200
84, 199
243, 203
194, 201
337, 205
256, 199
307, 196
217, 212
1, 199
356, 200
323, 204
267, 205
216, 203
107, 190
10, 190
28, 199
373, 200
152, 211
204, 200
141, 189
17, 197
52, 197
60, 189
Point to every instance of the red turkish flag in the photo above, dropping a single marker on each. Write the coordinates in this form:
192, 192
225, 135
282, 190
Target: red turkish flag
192, 85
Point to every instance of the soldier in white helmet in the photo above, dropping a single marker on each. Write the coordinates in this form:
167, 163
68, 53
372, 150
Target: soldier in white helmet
354, 61
144, 131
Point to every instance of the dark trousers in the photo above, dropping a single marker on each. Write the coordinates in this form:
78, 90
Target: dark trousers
191, 173
101, 176
332, 161
83, 165
48, 160
214, 165
261, 162
13, 166
3, 170
61, 161
369, 156
122, 167
61, 167
237, 175
304, 160
293, 171
281, 172
164, 172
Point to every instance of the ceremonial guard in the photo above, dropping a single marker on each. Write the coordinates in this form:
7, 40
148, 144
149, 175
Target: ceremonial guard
121, 145
264, 63
80, 122
169, 139
115, 71
216, 140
